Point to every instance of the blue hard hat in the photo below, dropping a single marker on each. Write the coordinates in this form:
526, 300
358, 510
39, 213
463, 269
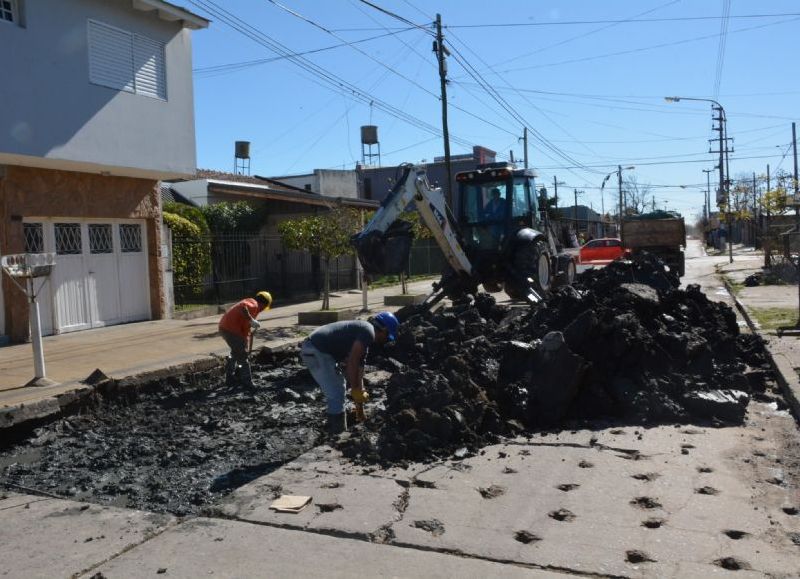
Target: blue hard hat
388, 322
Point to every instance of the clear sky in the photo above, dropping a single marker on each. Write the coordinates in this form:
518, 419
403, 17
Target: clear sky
587, 77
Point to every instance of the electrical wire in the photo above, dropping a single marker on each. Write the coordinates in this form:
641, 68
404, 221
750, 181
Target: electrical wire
589, 33
643, 48
723, 39
624, 21
315, 73
234, 66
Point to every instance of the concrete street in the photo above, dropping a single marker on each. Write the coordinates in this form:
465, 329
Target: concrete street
667, 501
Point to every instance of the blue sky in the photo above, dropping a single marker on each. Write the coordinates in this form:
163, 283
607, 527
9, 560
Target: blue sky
588, 78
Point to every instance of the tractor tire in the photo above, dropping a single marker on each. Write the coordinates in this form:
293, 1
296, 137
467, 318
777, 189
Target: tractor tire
531, 260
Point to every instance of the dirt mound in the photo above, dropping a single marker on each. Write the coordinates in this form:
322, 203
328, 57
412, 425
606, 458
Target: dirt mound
623, 344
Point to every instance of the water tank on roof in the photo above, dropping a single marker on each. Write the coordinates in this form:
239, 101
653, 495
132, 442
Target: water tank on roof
369, 135
242, 149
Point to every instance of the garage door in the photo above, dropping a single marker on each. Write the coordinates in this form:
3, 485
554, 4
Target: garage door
101, 275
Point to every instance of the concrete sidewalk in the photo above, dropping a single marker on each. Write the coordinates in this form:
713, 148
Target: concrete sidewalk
140, 349
750, 301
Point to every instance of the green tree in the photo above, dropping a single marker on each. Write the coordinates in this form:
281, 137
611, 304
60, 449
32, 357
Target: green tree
326, 236
190, 213
229, 217
191, 256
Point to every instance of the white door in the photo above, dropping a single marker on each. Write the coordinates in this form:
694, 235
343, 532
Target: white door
103, 283
69, 278
134, 280
100, 277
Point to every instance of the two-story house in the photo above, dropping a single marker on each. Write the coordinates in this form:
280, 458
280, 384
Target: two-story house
96, 106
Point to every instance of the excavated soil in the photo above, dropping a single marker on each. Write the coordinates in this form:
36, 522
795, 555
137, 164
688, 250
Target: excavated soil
623, 346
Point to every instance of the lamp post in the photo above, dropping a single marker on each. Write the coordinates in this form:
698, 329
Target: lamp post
618, 172
723, 159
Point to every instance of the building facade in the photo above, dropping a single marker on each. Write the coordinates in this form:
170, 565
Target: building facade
97, 107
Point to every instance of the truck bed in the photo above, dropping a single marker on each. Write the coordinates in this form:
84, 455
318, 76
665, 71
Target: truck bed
653, 233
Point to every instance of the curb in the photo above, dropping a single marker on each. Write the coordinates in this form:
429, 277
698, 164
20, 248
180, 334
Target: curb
787, 377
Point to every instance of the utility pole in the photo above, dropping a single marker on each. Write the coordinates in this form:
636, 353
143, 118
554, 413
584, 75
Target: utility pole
755, 205
767, 256
511, 156
525, 144
796, 214
619, 183
555, 190
575, 212
724, 196
441, 52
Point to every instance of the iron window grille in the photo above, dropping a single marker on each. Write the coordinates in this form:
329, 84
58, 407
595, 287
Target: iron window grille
130, 235
68, 238
34, 237
100, 238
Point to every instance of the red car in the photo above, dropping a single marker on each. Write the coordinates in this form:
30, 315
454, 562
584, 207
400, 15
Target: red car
601, 251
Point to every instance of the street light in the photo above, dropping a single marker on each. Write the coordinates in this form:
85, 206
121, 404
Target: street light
723, 160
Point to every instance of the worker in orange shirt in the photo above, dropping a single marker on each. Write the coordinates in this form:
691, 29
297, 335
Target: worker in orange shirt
235, 327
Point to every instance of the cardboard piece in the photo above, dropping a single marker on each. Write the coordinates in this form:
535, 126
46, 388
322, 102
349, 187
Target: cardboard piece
290, 503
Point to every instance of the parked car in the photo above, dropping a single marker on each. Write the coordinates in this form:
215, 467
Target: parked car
601, 251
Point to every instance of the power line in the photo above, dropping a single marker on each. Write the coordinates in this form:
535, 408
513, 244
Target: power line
624, 21
317, 74
662, 162
232, 66
590, 33
723, 39
643, 48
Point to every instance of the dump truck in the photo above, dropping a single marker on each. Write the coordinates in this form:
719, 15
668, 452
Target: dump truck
501, 239
661, 233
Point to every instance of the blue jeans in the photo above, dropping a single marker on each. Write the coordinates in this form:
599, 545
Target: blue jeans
326, 372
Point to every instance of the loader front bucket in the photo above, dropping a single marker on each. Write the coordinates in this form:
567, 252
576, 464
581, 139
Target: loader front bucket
385, 253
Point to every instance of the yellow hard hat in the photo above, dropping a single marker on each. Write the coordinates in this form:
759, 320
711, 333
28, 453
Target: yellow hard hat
266, 297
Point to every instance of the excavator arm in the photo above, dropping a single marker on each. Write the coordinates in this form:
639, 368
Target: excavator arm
384, 243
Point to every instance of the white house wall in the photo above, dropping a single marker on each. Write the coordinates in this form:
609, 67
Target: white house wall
52, 112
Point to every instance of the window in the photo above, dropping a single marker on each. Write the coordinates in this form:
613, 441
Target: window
130, 238
8, 10
100, 239
519, 207
68, 238
125, 61
34, 237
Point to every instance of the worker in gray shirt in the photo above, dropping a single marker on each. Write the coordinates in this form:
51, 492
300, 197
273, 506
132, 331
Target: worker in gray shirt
345, 343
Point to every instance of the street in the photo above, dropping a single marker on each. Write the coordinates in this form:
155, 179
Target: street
635, 500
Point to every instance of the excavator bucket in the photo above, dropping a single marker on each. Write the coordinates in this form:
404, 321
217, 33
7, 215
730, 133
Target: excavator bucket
387, 253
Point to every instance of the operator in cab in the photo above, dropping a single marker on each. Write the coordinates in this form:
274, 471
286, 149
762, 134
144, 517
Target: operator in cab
347, 343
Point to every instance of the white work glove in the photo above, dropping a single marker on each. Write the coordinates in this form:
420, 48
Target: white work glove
255, 324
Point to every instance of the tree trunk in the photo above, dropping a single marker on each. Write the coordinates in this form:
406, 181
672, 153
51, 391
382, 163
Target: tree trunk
403, 286
326, 290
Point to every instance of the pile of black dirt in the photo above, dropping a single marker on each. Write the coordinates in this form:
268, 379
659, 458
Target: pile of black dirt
623, 345
174, 446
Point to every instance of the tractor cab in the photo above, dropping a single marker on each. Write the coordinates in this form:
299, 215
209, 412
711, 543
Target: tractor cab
495, 202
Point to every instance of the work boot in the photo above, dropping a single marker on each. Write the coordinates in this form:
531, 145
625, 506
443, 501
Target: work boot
230, 371
336, 423
246, 375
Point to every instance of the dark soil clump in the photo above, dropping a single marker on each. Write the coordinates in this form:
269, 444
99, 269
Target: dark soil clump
623, 345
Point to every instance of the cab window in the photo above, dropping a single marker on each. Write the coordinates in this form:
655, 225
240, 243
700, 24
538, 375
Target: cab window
519, 200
